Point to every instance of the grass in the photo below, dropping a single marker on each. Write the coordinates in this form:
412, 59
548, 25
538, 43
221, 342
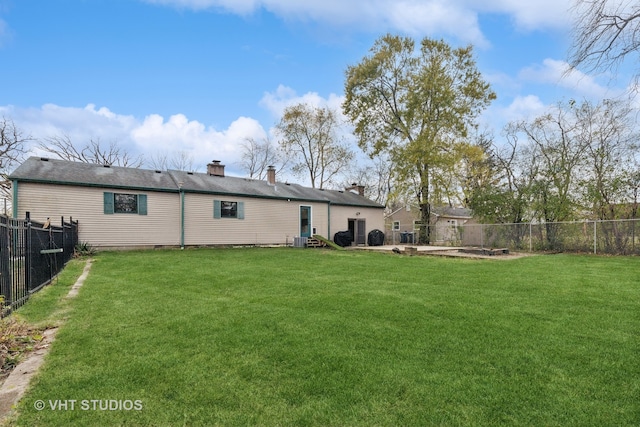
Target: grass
48, 307
21, 333
327, 338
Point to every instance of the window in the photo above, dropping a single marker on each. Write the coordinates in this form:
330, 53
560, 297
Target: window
396, 225
226, 209
125, 203
229, 209
128, 203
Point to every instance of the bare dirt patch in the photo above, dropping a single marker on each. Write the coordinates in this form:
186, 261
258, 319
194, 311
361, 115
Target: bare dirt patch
461, 254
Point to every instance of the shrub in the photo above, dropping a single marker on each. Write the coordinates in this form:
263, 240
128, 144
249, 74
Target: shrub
84, 249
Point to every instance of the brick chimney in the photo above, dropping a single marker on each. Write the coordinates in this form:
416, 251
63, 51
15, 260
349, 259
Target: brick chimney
215, 168
271, 175
355, 188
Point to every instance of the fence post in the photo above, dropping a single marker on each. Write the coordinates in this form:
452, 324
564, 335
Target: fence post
64, 241
27, 252
530, 238
595, 237
5, 276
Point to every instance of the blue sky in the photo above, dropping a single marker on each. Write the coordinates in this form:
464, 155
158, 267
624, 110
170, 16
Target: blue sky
161, 76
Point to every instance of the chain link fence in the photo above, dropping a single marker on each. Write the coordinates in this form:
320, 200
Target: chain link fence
618, 237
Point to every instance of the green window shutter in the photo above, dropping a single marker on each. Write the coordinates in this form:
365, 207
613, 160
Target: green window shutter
240, 210
142, 204
108, 203
217, 209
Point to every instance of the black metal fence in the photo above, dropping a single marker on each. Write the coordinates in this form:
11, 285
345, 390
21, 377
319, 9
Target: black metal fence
31, 255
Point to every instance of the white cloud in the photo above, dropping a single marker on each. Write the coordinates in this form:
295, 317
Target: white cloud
204, 144
442, 17
528, 15
147, 137
458, 18
524, 108
556, 72
496, 117
154, 134
80, 124
283, 97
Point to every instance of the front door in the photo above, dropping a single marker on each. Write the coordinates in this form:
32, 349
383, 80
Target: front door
305, 221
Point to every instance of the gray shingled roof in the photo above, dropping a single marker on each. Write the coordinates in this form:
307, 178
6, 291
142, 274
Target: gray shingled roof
38, 169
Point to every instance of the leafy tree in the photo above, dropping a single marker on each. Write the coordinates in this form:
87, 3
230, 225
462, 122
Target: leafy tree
574, 160
12, 141
503, 195
557, 153
479, 173
634, 191
471, 170
93, 152
418, 108
310, 137
610, 139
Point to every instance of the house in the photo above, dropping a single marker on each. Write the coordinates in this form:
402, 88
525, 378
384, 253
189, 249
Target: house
119, 207
403, 223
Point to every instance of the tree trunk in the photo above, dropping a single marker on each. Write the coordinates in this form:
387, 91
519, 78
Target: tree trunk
424, 237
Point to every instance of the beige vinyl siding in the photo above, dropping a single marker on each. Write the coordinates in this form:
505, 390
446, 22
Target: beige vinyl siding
266, 221
340, 216
406, 219
160, 227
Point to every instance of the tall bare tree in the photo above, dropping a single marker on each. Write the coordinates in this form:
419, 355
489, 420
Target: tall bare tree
377, 178
179, 160
258, 155
92, 152
12, 151
310, 136
605, 33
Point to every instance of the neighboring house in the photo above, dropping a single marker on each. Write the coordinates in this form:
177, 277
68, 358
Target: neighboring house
120, 207
402, 224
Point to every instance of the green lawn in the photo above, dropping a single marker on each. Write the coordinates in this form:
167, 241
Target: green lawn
325, 338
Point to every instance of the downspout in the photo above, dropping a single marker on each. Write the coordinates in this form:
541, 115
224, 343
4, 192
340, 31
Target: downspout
329, 220
181, 215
